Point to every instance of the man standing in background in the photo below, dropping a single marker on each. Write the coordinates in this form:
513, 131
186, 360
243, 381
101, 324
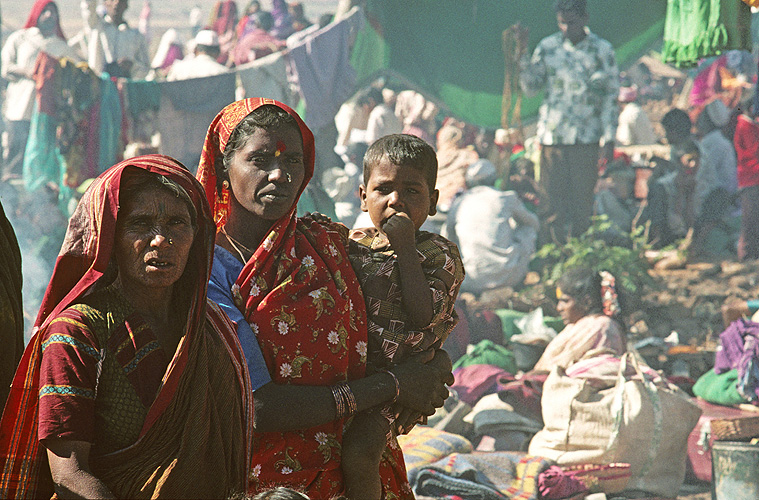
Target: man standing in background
578, 118
112, 46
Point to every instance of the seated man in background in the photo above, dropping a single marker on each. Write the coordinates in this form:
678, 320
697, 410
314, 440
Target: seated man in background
203, 63
494, 231
614, 199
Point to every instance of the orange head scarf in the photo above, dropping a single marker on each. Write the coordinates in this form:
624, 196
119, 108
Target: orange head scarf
216, 142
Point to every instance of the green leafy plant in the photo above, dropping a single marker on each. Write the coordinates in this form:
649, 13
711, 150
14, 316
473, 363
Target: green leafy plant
628, 265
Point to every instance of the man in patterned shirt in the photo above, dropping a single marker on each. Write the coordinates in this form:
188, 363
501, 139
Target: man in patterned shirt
578, 118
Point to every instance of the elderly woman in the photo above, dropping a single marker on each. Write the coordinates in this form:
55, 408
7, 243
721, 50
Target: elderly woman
289, 285
134, 385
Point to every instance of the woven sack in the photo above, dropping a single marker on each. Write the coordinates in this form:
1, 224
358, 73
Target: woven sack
630, 419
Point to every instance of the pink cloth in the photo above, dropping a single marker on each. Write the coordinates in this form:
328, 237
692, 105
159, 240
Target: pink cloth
256, 44
554, 484
707, 83
474, 381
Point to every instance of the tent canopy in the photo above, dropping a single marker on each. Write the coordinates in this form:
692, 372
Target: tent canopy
452, 49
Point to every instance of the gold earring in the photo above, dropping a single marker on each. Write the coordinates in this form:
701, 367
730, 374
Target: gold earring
225, 184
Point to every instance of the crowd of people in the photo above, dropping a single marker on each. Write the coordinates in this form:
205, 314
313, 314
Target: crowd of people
278, 308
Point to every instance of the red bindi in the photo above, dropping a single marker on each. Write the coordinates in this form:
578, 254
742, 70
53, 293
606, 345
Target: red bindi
281, 148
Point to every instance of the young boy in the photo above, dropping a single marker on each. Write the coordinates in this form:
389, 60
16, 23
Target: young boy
410, 279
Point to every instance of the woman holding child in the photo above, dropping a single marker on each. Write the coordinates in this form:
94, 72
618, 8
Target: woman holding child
289, 285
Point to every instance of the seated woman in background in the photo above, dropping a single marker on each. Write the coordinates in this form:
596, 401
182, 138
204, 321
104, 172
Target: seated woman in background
134, 385
288, 284
589, 307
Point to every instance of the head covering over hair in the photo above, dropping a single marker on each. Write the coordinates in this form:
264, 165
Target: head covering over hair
449, 137
216, 142
717, 113
88, 246
34, 16
223, 16
208, 38
208, 337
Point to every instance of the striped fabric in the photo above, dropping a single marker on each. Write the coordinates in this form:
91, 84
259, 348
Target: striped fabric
202, 412
374, 262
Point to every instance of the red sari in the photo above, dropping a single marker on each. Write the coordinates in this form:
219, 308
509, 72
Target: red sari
304, 303
166, 461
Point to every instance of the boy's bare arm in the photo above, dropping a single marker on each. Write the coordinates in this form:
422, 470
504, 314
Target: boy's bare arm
417, 296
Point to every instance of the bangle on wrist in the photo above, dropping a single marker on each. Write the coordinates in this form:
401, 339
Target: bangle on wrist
345, 401
397, 384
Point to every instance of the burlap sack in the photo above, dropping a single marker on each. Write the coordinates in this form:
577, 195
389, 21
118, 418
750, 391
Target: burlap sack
632, 420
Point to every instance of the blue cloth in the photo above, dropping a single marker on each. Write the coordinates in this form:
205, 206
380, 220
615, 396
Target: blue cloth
226, 268
110, 123
43, 162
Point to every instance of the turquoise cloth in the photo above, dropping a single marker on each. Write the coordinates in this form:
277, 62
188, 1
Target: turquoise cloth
719, 389
110, 124
43, 162
488, 352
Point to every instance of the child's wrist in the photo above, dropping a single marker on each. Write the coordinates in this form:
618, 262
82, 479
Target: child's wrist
406, 251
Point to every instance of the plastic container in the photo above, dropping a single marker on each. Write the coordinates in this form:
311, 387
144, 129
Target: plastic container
735, 470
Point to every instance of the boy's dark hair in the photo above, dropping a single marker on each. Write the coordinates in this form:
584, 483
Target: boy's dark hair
676, 120
403, 150
579, 7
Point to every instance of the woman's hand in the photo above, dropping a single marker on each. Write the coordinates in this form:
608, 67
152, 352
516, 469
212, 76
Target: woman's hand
423, 386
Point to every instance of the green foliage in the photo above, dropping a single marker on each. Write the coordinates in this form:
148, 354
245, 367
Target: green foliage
628, 265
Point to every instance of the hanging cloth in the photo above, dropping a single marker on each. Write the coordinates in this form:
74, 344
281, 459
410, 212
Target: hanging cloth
695, 29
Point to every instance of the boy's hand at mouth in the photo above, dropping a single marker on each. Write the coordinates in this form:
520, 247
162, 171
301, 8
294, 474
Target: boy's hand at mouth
400, 231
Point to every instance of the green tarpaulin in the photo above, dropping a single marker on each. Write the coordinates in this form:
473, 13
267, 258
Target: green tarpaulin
451, 49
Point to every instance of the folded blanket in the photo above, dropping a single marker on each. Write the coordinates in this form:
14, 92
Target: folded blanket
424, 446
482, 476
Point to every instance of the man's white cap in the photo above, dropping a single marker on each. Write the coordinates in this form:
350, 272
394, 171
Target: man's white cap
208, 38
